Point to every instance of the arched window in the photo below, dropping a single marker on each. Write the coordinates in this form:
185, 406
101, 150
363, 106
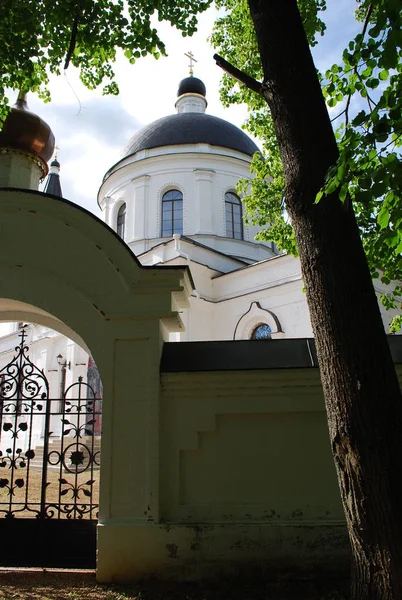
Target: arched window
262, 332
234, 221
121, 221
172, 213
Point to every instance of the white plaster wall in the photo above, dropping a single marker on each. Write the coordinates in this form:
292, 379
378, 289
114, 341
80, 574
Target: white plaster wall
208, 321
287, 303
221, 300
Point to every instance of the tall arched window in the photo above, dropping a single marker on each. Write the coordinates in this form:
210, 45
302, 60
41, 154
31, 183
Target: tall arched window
172, 213
234, 221
121, 221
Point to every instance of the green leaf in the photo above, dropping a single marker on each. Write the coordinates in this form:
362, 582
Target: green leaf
343, 192
365, 183
319, 196
372, 83
383, 217
359, 118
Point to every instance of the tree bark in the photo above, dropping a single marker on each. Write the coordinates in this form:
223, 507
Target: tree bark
360, 385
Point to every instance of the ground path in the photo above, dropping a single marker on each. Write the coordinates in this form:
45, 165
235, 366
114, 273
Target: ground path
39, 584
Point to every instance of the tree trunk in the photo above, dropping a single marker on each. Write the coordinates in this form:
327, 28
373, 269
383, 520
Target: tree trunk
360, 385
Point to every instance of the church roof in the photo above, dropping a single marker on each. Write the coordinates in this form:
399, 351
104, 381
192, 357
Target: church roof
53, 185
189, 240
190, 128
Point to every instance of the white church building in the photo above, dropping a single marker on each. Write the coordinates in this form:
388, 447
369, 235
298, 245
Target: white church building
172, 198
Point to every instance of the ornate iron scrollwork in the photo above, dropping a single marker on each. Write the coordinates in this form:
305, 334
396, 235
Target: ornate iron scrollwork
43, 474
21, 380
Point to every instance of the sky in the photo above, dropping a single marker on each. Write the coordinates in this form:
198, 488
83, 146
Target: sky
91, 130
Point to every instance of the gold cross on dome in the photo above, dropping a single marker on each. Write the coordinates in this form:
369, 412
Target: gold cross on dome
56, 150
191, 57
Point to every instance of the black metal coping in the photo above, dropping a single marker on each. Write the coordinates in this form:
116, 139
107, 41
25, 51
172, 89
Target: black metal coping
247, 355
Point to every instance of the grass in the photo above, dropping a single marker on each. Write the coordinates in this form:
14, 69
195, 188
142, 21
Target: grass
76, 585
33, 492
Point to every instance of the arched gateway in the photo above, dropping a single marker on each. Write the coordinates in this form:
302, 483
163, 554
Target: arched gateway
49, 464
62, 267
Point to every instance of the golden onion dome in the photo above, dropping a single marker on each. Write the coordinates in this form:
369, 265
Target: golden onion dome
25, 131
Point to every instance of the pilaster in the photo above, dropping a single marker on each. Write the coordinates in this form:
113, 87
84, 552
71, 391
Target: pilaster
204, 207
137, 211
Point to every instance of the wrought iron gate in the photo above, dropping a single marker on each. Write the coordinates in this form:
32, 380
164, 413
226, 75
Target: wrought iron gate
49, 468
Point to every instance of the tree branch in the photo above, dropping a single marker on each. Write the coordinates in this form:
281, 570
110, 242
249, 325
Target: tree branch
347, 110
338, 115
367, 19
365, 25
73, 40
250, 82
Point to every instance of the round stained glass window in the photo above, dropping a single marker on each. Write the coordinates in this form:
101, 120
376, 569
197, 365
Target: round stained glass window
262, 332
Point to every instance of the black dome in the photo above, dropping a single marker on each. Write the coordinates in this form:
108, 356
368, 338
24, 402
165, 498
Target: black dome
191, 85
55, 163
190, 128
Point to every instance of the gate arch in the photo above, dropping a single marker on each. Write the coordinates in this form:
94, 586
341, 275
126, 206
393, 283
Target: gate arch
61, 259
14, 310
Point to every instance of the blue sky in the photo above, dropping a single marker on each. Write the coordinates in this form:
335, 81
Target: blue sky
91, 130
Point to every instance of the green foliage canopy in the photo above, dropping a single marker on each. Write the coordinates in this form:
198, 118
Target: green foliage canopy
42, 37
367, 84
